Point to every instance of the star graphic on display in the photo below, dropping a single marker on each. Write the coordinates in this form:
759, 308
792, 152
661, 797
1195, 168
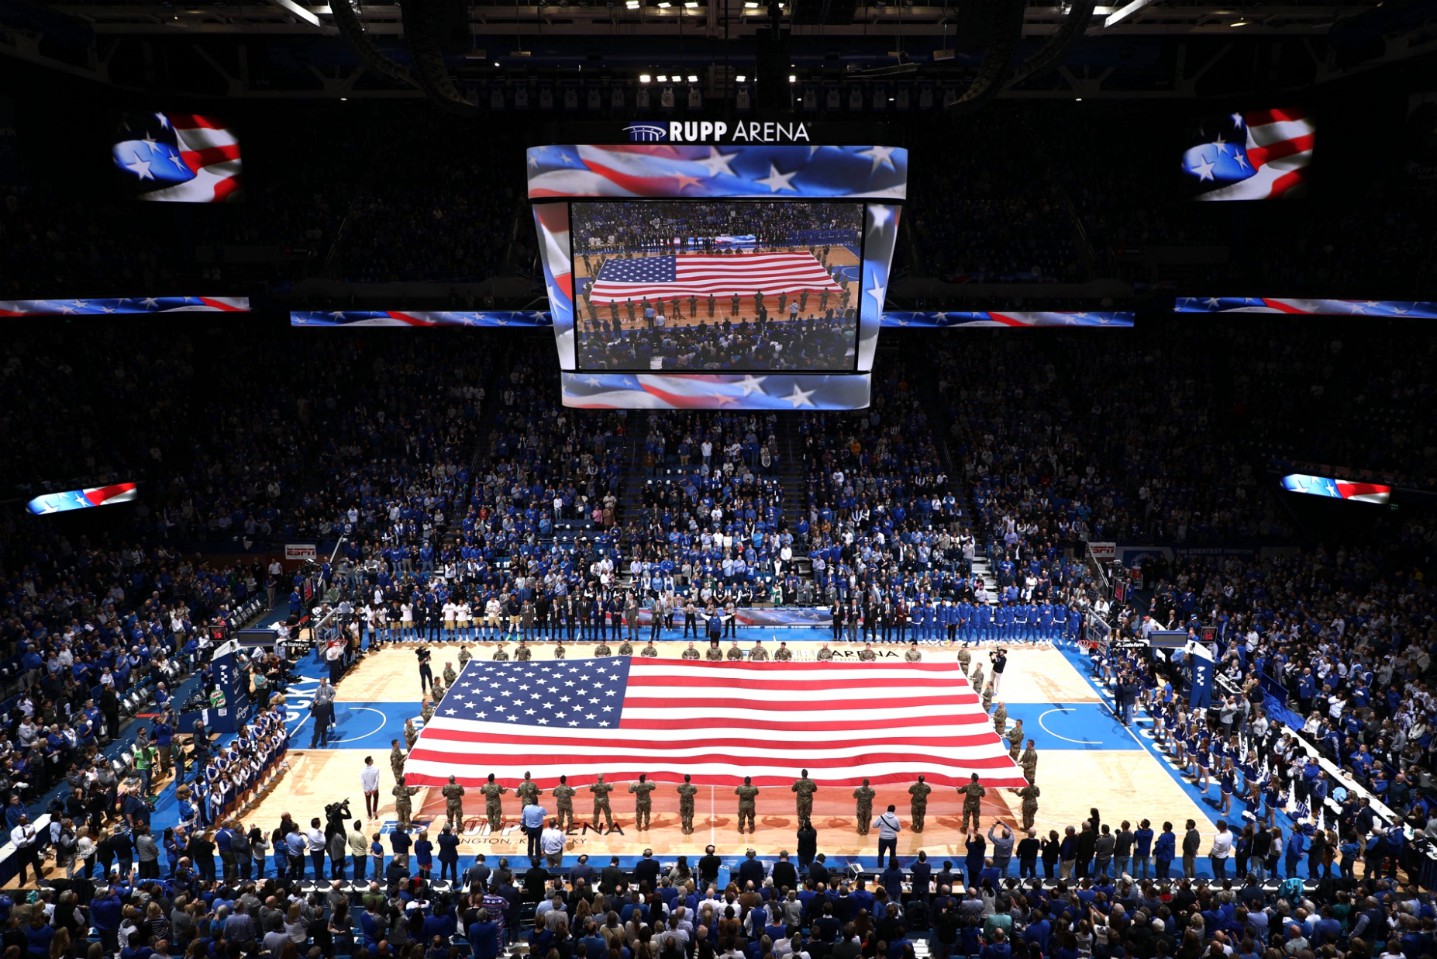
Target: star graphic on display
752, 384
592, 381
1401, 310
1204, 169
1213, 303
67, 310
140, 167
777, 182
1221, 145
164, 120
107, 309
718, 163
800, 398
685, 180
150, 302
881, 216
80, 304
877, 291
903, 321
1241, 159
723, 399
533, 160
1358, 307
881, 156
1237, 120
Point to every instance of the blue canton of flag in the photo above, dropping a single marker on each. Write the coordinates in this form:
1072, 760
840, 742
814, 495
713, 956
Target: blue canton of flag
150, 153
649, 269
1221, 157
588, 694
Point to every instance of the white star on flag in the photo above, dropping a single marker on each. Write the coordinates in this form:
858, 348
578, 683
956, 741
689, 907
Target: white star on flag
877, 291
751, 385
881, 156
800, 397
777, 182
718, 163
1204, 169
140, 167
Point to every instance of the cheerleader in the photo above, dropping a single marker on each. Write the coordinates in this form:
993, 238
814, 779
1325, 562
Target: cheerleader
1227, 780
1274, 798
1204, 763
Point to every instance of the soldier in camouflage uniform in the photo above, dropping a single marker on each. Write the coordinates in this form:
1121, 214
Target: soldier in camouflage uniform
1029, 762
601, 791
501, 652
1000, 719
1015, 740
913, 655
972, 794
603, 649
1030, 795
559, 650
403, 805
714, 654
396, 758
825, 654
564, 802
626, 648
977, 678
864, 795
464, 655
643, 801
650, 651
758, 654
449, 674
528, 791
747, 804
691, 653
783, 654
686, 805
493, 808
523, 653
919, 807
804, 788
426, 711
987, 697
411, 734
965, 660
453, 804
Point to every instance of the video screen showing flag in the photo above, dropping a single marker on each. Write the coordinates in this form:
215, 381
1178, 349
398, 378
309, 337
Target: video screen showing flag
173, 157
619, 717
1333, 488
677, 285
88, 498
1250, 155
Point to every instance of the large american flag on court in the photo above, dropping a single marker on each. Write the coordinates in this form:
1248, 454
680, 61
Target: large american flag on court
698, 274
718, 722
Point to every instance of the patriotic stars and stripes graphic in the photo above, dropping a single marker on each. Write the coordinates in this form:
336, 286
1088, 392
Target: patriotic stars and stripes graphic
713, 391
178, 157
1258, 155
1413, 309
663, 170
718, 722
125, 305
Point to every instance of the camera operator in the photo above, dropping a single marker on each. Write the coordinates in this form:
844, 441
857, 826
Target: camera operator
999, 659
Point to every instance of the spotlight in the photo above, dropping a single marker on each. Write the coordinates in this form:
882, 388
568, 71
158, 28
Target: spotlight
792, 78
663, 78
645, 78
693, 78
740, 79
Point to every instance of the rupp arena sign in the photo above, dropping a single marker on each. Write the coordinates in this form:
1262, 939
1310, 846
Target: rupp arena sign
717, 131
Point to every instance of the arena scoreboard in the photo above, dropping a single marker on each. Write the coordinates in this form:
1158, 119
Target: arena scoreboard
726, 275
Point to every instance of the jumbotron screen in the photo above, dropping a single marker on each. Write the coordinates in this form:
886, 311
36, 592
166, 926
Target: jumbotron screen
709, 276
754, 286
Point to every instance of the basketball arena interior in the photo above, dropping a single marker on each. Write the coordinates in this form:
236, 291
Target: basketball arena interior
718, 479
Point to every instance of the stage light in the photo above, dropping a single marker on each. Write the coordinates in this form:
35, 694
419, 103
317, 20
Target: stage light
1238, 23
631, 4
691, 4
663, 78
645, 78
792, 78
740, 79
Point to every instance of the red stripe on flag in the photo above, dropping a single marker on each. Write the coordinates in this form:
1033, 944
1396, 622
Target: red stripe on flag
199, 158
409, 319
193, 121
1006, 320
100, 494
938, 740
1283, 148
1257, 118
1286, 182
222, 306
1283, 306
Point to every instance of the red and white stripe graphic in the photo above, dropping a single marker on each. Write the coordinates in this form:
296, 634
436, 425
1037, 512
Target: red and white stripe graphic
1279, 147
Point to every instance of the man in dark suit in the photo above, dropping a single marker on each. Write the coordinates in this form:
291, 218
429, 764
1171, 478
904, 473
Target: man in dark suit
708, 868
611, 877
582, 871
750, 871
818, 870
784, 875
921, 876
646, 871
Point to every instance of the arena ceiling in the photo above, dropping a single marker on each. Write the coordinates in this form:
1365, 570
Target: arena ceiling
1158, 48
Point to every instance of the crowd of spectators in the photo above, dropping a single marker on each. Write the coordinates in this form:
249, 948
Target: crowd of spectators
985, 207
668, 227
810, 344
